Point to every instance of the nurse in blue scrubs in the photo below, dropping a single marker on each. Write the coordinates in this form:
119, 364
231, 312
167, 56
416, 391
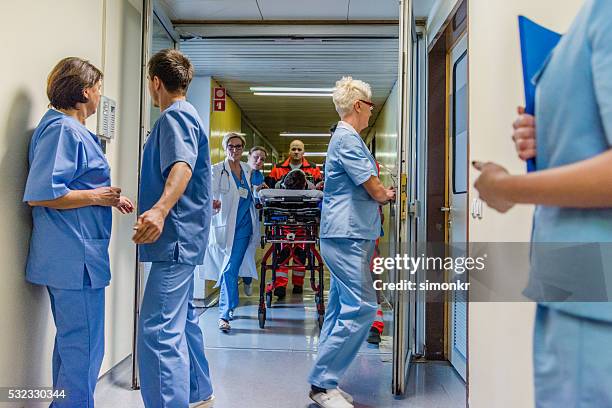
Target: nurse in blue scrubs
172, 232
350, 225
69, 190
257, 158
573, 193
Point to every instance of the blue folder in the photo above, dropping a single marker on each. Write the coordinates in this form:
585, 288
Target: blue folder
537, 43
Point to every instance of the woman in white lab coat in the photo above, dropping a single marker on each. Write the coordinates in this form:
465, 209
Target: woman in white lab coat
234, 230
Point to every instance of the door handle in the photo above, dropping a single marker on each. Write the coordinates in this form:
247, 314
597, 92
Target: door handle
476, 209
446, 209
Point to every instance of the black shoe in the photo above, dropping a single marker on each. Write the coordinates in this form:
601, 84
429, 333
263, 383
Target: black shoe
280, 291
374, 337
297, 289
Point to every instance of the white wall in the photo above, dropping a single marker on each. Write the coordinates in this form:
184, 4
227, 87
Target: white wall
36, 35
199, 95
500, 371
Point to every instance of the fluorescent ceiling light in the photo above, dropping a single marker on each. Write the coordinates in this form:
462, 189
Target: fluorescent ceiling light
289, 134
292, 94
315, 154
287, 89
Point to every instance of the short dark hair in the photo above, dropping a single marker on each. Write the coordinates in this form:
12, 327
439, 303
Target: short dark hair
256, 148
295, 180
173, 68
67, 81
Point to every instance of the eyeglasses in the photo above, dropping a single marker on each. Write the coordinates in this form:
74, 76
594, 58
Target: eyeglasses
370, 104
234, 147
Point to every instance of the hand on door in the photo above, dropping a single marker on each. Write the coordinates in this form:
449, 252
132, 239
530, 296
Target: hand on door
490, 186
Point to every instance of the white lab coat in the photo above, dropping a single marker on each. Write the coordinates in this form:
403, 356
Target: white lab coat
223, 225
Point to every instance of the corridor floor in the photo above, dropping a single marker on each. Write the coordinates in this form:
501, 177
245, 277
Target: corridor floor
267, 368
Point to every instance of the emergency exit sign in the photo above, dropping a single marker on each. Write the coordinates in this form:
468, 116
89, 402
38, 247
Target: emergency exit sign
219, 99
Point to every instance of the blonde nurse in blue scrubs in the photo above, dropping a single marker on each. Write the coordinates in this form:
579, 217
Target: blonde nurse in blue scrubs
350, 225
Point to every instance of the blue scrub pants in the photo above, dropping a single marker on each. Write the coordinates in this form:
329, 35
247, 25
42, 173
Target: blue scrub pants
79, 343
173, 368
350, 311
229, 298
572, 359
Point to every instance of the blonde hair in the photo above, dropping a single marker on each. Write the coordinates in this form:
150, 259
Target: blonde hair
347, 92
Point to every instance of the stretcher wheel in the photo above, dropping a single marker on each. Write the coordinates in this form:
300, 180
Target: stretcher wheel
269, 299
262, 318
321, 320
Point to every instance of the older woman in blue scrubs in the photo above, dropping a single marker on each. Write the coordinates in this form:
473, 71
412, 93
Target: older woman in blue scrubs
350, 224
68, 187
234, 229
573, 193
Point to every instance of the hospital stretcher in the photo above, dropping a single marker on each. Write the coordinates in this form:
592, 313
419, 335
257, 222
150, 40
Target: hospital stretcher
290, 217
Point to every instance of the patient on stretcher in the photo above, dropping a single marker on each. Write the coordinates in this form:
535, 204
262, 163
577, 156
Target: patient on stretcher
293, 256
295, 180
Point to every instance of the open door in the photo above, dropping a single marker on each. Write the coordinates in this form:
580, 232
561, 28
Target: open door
155, 37
404, 302
458, 198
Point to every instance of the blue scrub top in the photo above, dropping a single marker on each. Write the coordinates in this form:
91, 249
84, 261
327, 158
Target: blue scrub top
348, 211
244, 225
65, 156
257, 178
178, 136
574, 123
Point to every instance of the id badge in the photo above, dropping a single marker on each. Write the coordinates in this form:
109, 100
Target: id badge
244, 193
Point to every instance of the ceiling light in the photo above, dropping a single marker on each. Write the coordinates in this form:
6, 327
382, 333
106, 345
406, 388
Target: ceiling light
315, 154
286, 89
292, 94
289, 134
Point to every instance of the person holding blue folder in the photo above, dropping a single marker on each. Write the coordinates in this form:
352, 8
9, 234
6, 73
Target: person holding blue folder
571, 133
537, 44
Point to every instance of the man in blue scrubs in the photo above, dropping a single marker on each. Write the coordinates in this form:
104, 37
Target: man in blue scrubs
172, 230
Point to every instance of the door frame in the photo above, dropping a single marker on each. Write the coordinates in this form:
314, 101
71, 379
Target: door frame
403, 303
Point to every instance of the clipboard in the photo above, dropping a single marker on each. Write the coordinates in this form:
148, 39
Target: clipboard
537, 42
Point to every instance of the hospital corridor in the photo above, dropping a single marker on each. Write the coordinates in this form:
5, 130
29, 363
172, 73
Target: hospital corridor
302, 204
256, 368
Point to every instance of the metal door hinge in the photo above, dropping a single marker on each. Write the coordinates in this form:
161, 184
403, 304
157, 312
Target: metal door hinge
403, 196
414, 207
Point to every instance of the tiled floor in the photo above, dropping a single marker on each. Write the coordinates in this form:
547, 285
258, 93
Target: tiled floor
265, 368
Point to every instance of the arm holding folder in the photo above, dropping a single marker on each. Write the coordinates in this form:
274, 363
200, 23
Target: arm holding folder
537, 43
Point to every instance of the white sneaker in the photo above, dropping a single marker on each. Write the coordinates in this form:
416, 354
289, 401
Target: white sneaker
207, 403
345, 395
224, 326
330, 399
248, 289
